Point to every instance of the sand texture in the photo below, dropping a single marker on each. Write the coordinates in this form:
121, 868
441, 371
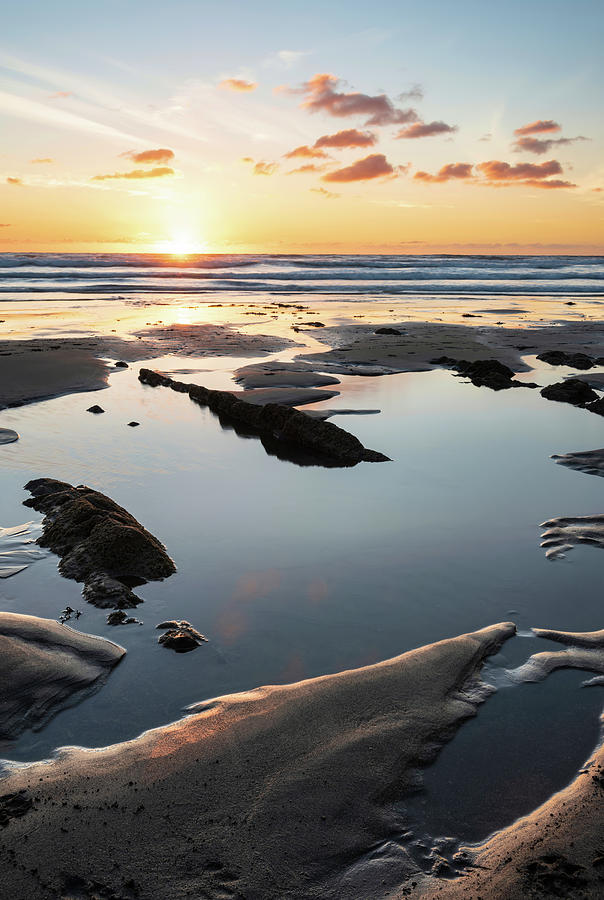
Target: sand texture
565, 532
274, 793
42, 666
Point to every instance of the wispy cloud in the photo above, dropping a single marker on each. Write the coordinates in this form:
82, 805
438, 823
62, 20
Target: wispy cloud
285, 59
308, 169
322, 95
15, 181
265, 168
373, 166
136, 174
237, 84
329, 195
540, 126
42, 160
540, 145
426, 129
60, 95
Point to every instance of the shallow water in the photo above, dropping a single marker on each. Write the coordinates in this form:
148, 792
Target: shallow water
296, 571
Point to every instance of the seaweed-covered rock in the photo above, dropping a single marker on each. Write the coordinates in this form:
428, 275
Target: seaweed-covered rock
98, 541
180, 636
483, 372
573, 391
276, 422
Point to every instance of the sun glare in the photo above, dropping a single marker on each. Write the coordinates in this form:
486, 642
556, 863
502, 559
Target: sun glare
182, 244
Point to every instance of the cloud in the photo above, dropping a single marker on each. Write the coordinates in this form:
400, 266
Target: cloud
373, 166
237, 84
265, 168
11, 180
538, 145
321, 95
350, 137
426, 129
486, 137
135, 174
147, 157
499, 173
42, 159
415, 92
541, 126
8, 224
329, 195
247, 159
306, 152
307, 169
285, 59
60, 95
447, 173
495, 170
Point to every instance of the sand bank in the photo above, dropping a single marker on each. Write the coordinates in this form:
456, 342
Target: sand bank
42, 666
274, 793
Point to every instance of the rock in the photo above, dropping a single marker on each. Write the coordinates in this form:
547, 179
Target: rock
471, 316
96, 409
99, 542
119, 617
483, 372
573, 391
13, 806
42, 665
315, 324
276, 423
8, 436
180, 636
574, 360
133, 424
120, 364
387, 331
596, 407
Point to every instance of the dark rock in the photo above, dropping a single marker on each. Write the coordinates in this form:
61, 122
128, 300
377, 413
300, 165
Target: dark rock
98, 541
180, 636
483, 372
96, 409
315, 324
133, 424
288, 426
120, 364
119, 617
471, 316
573, 360
387, 331
573, 391
596, 407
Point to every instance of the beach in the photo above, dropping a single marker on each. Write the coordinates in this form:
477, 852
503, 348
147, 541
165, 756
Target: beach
345, 467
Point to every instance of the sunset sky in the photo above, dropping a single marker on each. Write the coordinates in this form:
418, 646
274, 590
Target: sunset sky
302, 127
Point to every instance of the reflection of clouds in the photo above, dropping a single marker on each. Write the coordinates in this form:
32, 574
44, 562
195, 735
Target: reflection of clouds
233, 621
317, 591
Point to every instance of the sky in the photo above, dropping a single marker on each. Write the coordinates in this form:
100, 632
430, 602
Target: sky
234, 127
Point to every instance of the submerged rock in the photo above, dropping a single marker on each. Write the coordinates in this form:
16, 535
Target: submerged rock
180, 636
573, 391
273, 421
8, 436
98, 541
96, 409
42, 665
119, 617
387, 331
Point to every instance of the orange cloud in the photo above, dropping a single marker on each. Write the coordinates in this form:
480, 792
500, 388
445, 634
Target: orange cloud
495, 170
500, 174
541, 126
147, 157
307, 169
265, 168
306, 152
45, 159
8, 224
350, 137
322, 96
426, 129
446, 173
237, 84
59, 95
158, 172
537, 145
11, 180
373, 166
247, 159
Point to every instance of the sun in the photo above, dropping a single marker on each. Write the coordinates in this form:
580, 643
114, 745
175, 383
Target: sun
182, 243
